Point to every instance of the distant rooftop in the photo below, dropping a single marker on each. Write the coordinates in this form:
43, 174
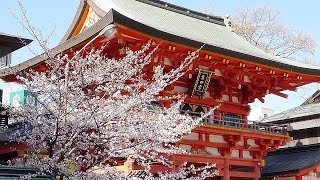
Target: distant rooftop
291, 160
309, 109
294, 113
12, 43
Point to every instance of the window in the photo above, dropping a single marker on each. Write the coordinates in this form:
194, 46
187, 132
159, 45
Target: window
198, 111
305, 133
187, 108
5, 60
231, 119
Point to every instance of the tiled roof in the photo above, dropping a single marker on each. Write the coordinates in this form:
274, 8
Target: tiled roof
312, 99
14, 130
291, 160
297, 112
186, 24
171, 23
15, 172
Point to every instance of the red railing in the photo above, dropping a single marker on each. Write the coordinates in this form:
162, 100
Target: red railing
240, 123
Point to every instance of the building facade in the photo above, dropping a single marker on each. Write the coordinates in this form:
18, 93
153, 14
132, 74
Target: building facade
230, 72
8, 44
301, 156
303, 122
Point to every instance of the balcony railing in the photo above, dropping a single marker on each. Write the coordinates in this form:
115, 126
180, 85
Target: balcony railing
240, 123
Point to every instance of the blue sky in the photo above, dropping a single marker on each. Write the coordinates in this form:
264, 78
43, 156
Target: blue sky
57, 15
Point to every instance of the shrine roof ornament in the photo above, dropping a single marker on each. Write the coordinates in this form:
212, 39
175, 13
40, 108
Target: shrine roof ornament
170, 23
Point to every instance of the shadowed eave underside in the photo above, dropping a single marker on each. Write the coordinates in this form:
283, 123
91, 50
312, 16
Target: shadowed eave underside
12, 42
291, 160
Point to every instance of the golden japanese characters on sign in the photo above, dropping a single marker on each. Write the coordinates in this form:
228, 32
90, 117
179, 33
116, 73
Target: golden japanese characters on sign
202, 82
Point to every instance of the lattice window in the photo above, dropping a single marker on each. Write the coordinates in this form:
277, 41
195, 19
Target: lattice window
231, 119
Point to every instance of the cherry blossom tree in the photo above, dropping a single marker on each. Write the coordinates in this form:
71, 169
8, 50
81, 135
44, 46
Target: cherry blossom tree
95, 111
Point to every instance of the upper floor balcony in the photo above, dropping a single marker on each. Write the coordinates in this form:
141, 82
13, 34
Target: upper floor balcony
235, 122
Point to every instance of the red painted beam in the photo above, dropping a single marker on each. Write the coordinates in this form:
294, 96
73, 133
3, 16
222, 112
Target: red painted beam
245, 133
204, 143
243, 174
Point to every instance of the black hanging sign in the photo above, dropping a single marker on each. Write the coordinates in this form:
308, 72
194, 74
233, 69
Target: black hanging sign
202, 82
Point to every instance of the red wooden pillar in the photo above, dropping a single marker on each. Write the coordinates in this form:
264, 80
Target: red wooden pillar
298, 177
256, 170
245, 119
226, 169
216, 115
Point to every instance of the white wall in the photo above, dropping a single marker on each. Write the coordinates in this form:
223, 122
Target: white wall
260, 113
305, 124
306, 141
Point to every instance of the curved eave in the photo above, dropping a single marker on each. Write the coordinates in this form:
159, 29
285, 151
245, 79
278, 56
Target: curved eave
76, 21
13, 42
292, 161
80, 17
127, 22
9, 73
